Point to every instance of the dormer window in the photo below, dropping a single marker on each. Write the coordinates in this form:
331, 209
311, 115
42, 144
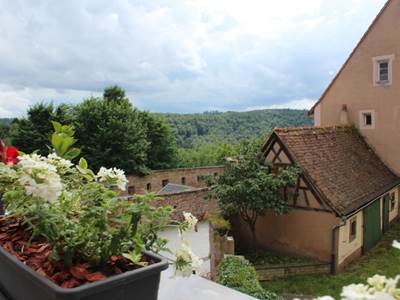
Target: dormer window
383, 70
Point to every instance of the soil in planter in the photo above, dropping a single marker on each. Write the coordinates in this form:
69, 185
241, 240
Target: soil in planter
14, 238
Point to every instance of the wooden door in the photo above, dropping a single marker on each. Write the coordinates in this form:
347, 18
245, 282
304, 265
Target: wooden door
372, 225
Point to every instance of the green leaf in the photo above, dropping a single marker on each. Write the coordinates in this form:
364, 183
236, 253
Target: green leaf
72, 153
83, 163
57, 126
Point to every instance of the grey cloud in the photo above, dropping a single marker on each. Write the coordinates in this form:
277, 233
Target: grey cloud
170, 55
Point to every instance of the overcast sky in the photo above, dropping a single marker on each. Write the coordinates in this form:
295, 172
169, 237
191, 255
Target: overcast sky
176, 55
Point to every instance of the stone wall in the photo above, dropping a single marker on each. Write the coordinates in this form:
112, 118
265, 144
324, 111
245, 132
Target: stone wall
220, 246
271, 273
156, 180
194, 201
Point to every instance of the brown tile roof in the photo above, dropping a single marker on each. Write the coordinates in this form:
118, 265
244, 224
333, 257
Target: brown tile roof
339, 164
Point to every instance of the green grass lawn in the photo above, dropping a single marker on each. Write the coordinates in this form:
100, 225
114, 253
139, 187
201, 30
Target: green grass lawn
269, 259
382, 259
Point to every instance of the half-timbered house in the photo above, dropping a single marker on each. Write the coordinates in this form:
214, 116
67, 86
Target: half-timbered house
344, 199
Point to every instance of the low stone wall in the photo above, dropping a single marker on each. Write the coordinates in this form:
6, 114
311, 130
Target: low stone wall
220, 246
194, 201
156, 180
271, 273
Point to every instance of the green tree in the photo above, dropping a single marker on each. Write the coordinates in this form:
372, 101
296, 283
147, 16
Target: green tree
111, 133
248, 187
5, 133
162, 151
205, 155
32, 132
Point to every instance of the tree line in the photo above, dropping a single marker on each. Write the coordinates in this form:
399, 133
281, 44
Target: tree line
111, 132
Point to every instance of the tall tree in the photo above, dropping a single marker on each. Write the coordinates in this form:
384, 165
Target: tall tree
162, 151
247, 187
111, 133
32, 132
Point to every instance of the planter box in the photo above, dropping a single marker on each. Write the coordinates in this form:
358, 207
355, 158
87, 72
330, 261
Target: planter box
20, 282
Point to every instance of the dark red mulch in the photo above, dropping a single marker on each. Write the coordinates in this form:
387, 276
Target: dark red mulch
15, 239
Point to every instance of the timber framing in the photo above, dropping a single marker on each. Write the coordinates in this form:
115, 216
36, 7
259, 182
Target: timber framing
274, 148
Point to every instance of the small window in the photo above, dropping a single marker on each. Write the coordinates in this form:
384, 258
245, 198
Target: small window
383, 71
148, 187
392, 202
199, 178
165, 182
215, 174
353, 230
131, 190
183, 180
367, 119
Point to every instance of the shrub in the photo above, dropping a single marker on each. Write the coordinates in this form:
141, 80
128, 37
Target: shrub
237, 273
219, 223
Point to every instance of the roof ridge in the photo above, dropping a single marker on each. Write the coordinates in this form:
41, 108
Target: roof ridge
314, 128
311, 111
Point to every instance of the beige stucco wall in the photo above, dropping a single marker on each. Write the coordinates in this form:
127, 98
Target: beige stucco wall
393, 214
346, 247
355, 88
300, 232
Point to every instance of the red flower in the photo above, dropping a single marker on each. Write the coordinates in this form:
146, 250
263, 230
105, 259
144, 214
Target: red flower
8, 155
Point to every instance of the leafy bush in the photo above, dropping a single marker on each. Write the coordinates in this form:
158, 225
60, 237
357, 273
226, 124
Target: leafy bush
219, 223
77, 211
237, 273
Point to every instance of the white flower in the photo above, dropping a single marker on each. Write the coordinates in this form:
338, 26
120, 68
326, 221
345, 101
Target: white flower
112, 176
186, 261
382, 296
377, 282
391, 286
190, 220
39, 178
325, 298
396, 244
356, 292
63, 165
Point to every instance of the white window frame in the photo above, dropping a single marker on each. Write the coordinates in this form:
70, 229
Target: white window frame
362, 122
376, 62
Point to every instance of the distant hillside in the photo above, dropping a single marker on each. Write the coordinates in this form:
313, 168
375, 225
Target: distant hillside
5, 121
210, 127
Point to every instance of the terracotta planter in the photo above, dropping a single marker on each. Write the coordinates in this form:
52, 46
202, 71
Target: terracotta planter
20, 282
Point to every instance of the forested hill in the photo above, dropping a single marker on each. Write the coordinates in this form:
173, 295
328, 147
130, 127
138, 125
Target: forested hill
211, 127
5, 121
193, 130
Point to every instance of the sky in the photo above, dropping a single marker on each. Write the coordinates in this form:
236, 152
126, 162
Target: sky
181, 56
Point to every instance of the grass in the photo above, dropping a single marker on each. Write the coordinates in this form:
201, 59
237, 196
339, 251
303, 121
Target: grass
383, 259
269, 259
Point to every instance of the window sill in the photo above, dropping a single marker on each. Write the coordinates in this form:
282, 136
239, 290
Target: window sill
383, 83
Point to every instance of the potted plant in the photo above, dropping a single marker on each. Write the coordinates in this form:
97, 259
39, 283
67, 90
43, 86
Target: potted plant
66, 235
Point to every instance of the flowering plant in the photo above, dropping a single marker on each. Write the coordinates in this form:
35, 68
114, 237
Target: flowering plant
78, 212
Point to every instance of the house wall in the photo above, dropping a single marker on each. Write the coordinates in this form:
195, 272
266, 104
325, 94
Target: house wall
395, 213
300, 232
355, 87
156, 178
346, 247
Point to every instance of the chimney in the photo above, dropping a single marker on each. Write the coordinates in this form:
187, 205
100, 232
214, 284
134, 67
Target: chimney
344, 119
